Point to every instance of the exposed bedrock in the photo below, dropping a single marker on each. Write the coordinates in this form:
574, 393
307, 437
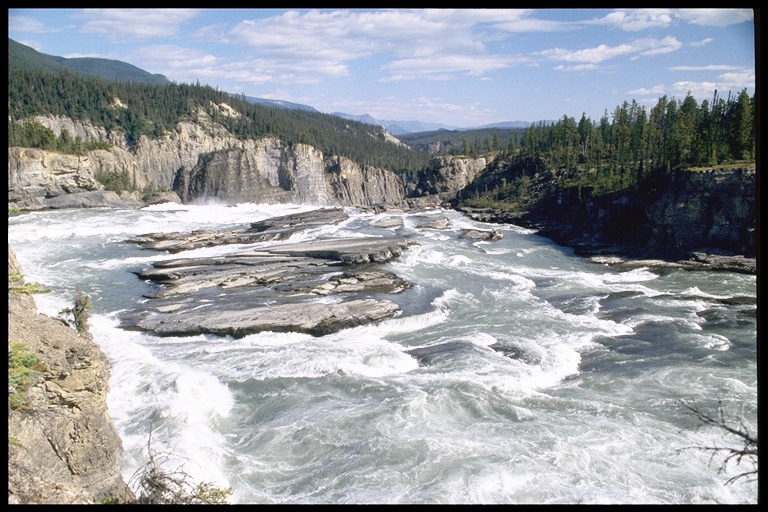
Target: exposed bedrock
315, 287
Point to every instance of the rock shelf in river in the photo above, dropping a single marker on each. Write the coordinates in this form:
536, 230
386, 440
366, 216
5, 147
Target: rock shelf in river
315, 287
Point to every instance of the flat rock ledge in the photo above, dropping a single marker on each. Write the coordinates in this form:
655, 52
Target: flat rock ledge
316, 287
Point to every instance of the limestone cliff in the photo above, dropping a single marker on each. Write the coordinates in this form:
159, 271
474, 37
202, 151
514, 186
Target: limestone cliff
446, 176
62, 446
199, 160
269, 172
36, 176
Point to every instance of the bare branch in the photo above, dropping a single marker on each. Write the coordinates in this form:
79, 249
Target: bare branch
748, 449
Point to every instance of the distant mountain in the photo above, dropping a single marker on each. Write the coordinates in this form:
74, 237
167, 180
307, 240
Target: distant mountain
396, 127
279, 103
509, 124
407, 127
23, 57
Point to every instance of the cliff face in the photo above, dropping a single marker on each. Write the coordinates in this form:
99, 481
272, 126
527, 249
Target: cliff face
669, 216
714, 209
200, 161
36, 176
62, 445
446, 176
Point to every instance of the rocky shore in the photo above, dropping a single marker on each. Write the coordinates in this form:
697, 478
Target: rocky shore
316, 287
62, 445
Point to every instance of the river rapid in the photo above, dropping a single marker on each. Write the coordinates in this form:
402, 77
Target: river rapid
517, 372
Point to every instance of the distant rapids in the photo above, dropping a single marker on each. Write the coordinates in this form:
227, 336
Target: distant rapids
517, 372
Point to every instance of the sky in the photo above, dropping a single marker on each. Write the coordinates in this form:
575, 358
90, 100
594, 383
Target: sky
461, 68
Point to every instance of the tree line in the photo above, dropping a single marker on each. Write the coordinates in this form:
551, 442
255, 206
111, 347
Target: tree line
154, 109
633, 141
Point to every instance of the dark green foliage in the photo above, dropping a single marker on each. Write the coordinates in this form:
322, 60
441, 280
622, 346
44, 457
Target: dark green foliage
31, 134
23, 57
77, 316
622, 151
153, 109
115, 181
485, 140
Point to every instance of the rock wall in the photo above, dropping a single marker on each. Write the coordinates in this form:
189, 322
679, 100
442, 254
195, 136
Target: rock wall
349, 184
63, 447
446, 176
668, 216
266, 171
706, 210
36, 176
201, 162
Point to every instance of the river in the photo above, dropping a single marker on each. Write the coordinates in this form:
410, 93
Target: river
518, 372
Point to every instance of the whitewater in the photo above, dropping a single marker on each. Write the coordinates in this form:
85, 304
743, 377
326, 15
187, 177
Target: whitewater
517, 372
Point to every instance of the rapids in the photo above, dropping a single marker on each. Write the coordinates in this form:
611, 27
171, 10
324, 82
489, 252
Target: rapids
517, 372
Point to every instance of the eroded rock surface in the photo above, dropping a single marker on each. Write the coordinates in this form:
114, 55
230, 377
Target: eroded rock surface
62, 445
316, 287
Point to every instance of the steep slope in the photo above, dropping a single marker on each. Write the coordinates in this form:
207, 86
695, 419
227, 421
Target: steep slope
23, 57
62, 445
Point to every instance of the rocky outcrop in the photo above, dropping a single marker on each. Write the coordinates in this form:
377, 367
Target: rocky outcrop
316, 287
62, 445
37, 177
201, 162
446, 176
269, 172
351, 185
709, 211
699, 219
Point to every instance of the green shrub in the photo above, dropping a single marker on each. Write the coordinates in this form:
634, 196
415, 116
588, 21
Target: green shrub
117, 181
77, 316
23, 367
15, 285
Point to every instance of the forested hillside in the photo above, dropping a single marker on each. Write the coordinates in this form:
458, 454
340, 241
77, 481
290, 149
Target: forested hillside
471, 143
619, 151
138, 109
23, 57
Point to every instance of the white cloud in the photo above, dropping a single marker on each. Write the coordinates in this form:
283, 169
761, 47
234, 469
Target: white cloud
439, 67
18, 23
716, 17
171, 57
711, 67
702, 42
578, 67
738, 80
436, 44
635, 19
138, 23
702, 90
604, 52
656, 89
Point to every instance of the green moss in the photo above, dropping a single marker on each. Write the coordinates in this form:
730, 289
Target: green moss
14, 285
23, 367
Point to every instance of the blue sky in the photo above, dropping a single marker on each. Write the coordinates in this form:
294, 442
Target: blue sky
456, 67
